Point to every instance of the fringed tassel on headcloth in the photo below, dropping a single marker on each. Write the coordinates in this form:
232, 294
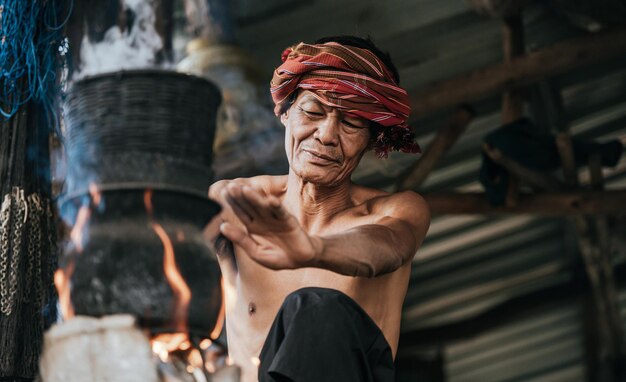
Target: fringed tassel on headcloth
353, 80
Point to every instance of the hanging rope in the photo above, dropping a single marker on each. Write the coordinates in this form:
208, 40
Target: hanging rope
31, 43
32, 50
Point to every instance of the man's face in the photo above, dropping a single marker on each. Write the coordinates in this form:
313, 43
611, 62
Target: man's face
323, 145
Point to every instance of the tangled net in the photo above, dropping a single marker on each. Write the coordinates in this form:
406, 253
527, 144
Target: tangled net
31, 48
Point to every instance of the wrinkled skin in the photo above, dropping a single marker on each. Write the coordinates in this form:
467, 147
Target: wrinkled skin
314, 227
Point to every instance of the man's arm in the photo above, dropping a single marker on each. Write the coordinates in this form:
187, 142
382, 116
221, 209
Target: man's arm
275, 239
222, 246
375, 249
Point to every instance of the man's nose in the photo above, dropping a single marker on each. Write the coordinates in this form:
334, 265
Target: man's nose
327, 131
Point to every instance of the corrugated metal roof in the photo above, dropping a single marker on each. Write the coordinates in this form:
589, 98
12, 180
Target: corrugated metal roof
544, 347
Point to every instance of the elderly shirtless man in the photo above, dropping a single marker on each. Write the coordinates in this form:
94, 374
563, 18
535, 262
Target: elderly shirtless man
317, 267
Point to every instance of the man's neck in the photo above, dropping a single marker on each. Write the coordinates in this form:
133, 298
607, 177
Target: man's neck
314, 205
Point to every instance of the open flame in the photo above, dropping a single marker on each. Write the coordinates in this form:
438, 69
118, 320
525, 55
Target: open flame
166, 343
203, 356
198, 360
96, 196
219, 324
62, 283
180, 289
182, 293
63, 277
77, 233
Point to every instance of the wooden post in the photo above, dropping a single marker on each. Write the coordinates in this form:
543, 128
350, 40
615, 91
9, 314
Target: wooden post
606, 271
512, 98
513, 47
593, 239
164, 25
566, 152
415, 175
551, 98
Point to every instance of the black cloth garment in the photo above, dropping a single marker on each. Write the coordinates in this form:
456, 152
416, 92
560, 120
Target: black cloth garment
322, 335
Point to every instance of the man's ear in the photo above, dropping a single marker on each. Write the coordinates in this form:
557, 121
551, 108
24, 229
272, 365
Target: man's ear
284, 116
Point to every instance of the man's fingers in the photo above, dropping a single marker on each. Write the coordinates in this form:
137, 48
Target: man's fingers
244, 214
236, 194
276, 209
239, 237
259, 202
271, 206
258, 212
242, 239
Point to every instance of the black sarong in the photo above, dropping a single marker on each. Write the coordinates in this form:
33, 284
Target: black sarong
322, 335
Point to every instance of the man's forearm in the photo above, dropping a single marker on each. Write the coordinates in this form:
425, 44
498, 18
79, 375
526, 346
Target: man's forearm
366, 251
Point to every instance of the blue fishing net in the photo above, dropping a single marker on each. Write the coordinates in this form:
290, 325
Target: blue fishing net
31, 50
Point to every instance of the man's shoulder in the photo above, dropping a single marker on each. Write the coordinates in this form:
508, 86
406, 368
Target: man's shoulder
398, 204
381, 198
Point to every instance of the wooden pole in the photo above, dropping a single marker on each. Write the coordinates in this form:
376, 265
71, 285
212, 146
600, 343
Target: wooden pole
566, 152
604, 268
593, 236
610, 203
522, 71
534, 178
512, 47
415, 175
512, 98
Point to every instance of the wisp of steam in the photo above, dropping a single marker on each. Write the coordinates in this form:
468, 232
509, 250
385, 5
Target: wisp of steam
134, 48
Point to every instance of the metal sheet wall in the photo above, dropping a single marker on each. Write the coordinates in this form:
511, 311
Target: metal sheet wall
544, 347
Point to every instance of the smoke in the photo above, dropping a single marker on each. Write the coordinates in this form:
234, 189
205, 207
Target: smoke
133, 48
197, 12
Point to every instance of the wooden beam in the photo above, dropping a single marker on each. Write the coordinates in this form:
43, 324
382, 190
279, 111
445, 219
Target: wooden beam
534, 178
522, 71
559, 203
415, 175
498, 8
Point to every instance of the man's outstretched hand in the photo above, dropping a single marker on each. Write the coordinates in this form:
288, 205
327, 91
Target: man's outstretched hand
272, 236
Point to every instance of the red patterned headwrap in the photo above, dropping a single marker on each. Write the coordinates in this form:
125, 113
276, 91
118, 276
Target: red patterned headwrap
353, 80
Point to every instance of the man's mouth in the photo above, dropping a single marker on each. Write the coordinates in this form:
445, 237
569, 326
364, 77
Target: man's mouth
321, 155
